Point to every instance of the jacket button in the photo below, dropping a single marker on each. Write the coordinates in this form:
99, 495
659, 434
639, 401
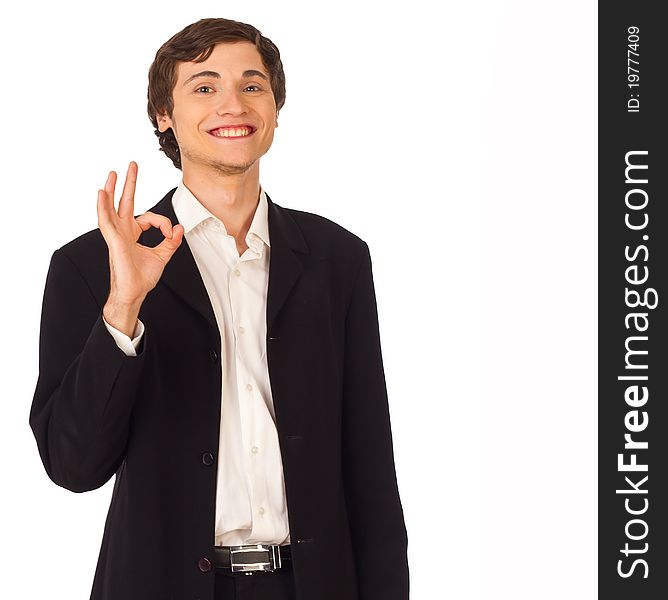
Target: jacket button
207, 458
204, 565
214, 355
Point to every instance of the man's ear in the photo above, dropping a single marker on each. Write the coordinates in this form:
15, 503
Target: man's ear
164, 122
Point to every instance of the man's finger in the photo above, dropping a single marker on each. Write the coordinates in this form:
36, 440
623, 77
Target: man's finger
105, 216
127, 201
155, 220
110, 186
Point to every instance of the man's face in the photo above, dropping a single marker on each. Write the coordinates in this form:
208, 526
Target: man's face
227, 89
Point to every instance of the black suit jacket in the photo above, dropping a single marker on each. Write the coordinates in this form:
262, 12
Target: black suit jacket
153, 420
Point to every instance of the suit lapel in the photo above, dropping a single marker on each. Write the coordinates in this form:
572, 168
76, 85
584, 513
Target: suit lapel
182, 276
285, 265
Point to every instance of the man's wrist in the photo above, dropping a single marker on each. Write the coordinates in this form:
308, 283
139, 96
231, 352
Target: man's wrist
122, 315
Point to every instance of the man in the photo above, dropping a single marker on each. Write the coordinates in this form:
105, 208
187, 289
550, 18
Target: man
220, 355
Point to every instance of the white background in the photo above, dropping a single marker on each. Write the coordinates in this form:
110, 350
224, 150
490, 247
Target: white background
458, 140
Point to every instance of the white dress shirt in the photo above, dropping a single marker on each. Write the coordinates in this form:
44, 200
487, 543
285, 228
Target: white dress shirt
251, 506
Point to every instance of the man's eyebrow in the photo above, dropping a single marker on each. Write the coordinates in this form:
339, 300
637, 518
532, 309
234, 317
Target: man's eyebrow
246, 73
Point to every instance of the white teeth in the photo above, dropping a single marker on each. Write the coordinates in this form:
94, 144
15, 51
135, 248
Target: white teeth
243, 131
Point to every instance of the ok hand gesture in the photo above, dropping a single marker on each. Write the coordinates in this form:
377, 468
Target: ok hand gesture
135, 269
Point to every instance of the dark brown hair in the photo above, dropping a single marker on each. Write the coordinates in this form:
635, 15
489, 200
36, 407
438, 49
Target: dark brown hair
195, 43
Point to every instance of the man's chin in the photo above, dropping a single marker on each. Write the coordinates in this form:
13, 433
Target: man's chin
230, 168
220, 166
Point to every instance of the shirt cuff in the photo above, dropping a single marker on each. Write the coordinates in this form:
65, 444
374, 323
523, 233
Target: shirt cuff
127, 345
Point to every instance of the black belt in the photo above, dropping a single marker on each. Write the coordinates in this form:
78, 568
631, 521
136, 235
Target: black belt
252, 557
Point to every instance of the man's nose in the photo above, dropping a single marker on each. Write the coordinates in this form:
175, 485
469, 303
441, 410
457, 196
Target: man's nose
230, 101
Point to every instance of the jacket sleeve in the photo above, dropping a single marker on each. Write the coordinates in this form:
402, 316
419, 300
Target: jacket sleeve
374, 508
86, 387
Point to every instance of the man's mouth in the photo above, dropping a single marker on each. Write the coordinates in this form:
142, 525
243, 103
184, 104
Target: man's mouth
233, 132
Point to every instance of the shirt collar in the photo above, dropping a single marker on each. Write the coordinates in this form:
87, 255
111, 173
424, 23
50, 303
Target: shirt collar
190, 212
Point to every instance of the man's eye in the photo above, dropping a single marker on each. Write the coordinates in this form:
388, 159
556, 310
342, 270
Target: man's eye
208, 87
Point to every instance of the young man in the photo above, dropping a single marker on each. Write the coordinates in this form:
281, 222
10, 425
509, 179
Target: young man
232, 380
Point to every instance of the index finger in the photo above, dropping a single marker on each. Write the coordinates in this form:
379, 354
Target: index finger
127, 201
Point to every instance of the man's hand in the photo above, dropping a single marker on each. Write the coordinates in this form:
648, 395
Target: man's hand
135, 269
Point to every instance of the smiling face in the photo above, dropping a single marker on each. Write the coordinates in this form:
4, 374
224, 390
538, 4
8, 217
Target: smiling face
224, 111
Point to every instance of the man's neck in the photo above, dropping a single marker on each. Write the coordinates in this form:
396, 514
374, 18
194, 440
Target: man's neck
232, 199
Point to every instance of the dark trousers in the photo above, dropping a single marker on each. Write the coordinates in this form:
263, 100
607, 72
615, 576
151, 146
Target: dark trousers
261, 585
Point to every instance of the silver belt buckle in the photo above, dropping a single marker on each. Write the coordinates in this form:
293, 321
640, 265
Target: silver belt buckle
271, 564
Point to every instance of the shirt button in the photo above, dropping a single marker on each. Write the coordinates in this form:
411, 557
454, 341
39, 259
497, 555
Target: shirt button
204, 565
261, 510
255, 449
208, 458
237, 272
241, 329
249, 387
214, 355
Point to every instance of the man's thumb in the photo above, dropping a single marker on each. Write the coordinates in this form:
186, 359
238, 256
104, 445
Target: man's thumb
169, 245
